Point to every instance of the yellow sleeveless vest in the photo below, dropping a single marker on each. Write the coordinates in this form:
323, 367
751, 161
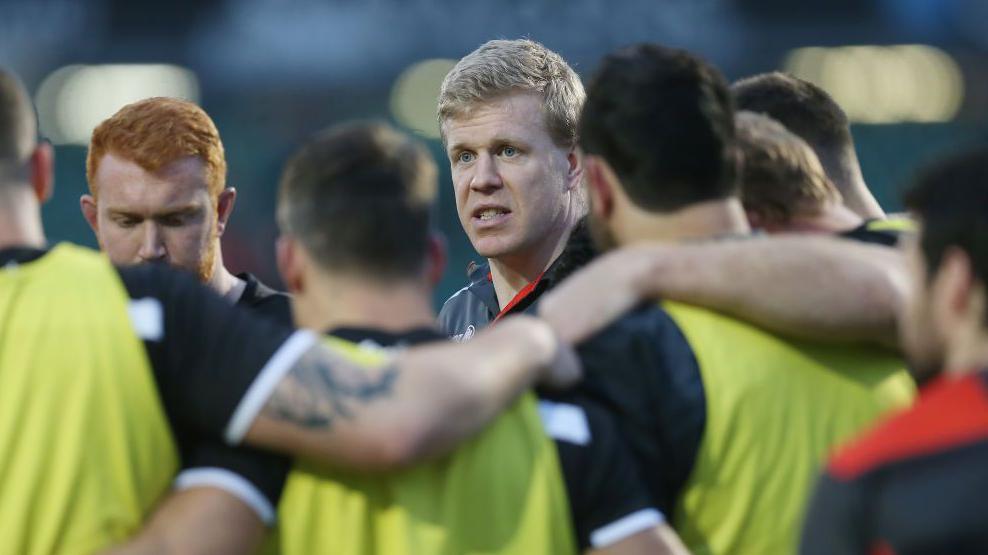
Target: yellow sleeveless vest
775, 409
85, 447
501, 492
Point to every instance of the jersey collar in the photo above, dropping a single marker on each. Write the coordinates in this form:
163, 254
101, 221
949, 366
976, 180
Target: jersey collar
383, 338
20, 255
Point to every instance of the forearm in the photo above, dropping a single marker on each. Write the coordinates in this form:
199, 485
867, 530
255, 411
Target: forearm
418, 406
204, 521
661, 540
469, 386
810, 287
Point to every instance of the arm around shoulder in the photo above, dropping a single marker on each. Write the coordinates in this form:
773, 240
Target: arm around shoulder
419, 405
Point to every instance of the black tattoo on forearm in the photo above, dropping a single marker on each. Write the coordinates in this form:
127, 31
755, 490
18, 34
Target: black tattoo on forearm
323, 387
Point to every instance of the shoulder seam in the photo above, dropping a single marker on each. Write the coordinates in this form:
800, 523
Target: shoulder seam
457, 294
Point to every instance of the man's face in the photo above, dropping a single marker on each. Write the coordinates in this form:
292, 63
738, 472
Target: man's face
510, 179
920, 338
167, 216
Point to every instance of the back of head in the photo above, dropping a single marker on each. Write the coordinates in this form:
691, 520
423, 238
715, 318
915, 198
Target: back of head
664, 121
155, 132
951, 200
781, 177
18, 128
501, 67
806, 110
359, 198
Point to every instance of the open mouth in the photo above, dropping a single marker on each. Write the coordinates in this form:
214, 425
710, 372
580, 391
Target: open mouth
488, 217
491, 214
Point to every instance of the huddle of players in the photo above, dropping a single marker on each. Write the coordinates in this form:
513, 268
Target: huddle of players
691, 429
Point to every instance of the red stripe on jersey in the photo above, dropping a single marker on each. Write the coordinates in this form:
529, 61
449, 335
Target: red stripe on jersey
950, 412
526, 291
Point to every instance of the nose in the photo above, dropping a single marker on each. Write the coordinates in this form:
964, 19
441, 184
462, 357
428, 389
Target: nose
152, 244
485, 176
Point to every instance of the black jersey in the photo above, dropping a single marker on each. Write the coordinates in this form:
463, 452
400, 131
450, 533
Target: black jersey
914, 485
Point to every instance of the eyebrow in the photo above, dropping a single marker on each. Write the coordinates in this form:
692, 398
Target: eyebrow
178, 211
497, 140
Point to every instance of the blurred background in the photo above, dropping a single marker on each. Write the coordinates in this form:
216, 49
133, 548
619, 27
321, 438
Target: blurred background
912, 75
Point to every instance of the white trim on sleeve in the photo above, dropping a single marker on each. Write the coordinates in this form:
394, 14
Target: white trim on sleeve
230, 482
625, 526
267, 380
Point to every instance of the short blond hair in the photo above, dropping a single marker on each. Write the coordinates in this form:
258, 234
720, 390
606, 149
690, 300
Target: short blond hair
500, 67
781, 176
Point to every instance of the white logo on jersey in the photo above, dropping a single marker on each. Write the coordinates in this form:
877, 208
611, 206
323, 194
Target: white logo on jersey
465, 336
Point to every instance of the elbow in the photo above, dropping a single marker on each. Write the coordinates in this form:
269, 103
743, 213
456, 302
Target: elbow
394, 448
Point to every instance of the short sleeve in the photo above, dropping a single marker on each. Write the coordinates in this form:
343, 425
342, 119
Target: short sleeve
643, 370
206, 353
253, 476
608, 500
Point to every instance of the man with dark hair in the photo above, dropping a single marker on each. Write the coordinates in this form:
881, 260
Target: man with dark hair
917, 482
360, 198
359, 257
114, 379
504, 492
727, 421
808, 111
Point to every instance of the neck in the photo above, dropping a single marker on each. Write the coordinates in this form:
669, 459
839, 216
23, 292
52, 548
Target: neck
845, 171
336, 301
222, 281
969, 353
20, 218
835, 218
511, 274
860, 200
703, 220
967, 339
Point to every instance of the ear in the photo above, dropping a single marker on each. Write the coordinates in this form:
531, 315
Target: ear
952, 288
600, 187
574, 173
90, 211
42, 171
224, 208
435, 264
291, 263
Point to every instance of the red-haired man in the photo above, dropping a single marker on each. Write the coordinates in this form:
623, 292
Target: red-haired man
158, 192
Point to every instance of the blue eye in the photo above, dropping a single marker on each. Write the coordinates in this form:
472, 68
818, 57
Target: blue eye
509, 151
465, 157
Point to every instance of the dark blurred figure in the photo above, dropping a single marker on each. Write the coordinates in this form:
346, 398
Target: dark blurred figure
729, 422
916, 484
